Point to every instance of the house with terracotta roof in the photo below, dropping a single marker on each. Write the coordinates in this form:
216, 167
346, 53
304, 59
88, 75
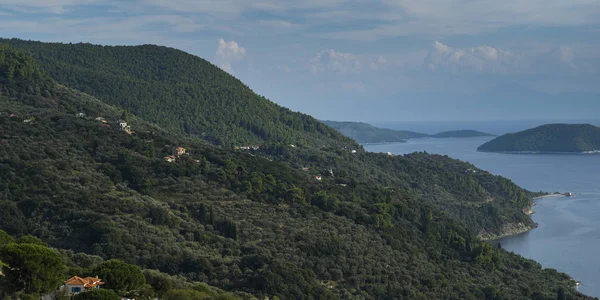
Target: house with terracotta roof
170, 158
179, 151
76, 284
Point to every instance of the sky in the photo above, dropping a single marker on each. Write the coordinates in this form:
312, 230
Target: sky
375, 60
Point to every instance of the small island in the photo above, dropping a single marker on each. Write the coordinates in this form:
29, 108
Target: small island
369, 134
461, 134
551, 138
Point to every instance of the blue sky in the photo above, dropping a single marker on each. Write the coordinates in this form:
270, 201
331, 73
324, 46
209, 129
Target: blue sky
376, 60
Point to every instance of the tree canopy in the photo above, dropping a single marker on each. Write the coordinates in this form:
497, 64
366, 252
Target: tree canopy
97, 294
31, 268
120, 276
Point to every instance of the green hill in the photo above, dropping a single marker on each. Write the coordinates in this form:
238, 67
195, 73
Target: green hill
375, 227
178, 91
552, 138
460, 134
365, 133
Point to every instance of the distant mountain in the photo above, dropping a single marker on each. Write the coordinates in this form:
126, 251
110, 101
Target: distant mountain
365, 133
552, 138
460, 134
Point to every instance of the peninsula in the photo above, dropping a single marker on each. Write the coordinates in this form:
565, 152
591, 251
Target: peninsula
369, 134
551, 138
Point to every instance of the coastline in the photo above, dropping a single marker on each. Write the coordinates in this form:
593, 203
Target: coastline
510, 229
548, 196
592, 152
513, 229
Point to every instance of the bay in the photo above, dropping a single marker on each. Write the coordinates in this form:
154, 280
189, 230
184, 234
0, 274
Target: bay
568, 236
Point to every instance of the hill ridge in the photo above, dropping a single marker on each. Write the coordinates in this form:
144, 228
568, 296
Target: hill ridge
179, 91
549, 138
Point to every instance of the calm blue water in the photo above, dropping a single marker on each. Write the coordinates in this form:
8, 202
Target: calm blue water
568, 236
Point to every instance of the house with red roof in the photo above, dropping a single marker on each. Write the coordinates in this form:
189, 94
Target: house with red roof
76, 284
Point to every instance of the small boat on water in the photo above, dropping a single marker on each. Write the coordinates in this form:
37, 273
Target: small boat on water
569, 194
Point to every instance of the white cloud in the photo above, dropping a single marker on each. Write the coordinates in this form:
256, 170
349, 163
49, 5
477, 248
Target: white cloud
344, 63
479, 59
540, 62
50, 6
227, 53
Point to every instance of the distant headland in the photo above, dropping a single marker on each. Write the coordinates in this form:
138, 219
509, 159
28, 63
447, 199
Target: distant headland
369, 134
551, 138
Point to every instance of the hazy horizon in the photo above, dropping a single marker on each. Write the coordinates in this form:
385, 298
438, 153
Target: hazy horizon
361, 60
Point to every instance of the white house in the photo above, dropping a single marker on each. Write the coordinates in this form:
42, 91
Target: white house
353, 151
80, 115
123, 126
76, 284
319, 178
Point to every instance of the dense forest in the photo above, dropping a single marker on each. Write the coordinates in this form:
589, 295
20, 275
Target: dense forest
178, 91
32, 269
257, 222
367, 134
551, 138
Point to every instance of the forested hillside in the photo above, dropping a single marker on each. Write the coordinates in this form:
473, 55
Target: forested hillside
224, 106
178, 91
374, 227
551, 138
32, 269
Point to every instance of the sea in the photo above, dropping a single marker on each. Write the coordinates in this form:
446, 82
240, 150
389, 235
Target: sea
568, 234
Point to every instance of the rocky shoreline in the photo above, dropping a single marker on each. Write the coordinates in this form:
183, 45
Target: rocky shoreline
511, 229
507, 230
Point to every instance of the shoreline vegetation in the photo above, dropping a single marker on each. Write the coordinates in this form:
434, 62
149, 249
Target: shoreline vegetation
517, 229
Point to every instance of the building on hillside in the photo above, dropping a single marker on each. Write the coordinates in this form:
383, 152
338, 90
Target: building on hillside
170, 158
123, 126
101, 120
389, 154
353, 151
179, 151
76, 284
319, 178
80, 115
